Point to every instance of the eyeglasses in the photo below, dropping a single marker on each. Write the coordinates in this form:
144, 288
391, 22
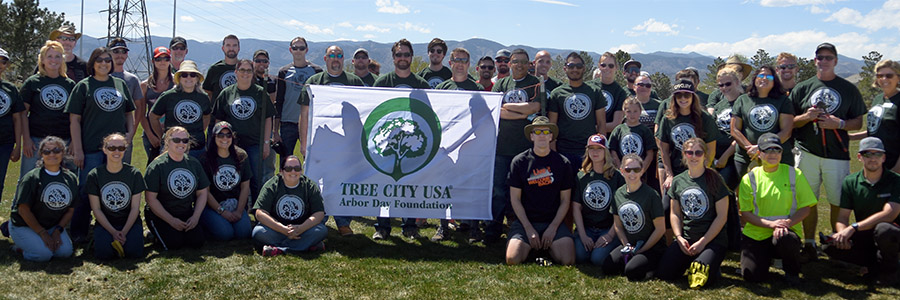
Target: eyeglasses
646, 85
361, 57
402, 54
787, 66
611, 66
104, 60
245, 70
633, 70
179, 48
436, 50
332, 55
486, 67
261, 61
871, 154
164, 58
66, 38
541, 131
461, 60
825, 57
120, 51
293, 169
884, 76
4, 61
772, 150
181, 140
724, 84
298, 48
116, 148
519, 61
56, 150
695, 153
764, 76
575, 65
189, 75
502, 60
224, 135
632, 169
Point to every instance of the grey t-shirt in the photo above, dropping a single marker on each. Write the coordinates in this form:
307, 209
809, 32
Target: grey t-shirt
133, 83
292, 85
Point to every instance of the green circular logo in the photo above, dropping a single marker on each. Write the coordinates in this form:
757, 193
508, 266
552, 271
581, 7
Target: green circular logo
401, 136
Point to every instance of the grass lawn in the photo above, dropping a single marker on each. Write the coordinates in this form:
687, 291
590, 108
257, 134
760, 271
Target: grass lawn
358, 267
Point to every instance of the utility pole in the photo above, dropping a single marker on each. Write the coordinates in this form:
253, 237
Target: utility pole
128, 20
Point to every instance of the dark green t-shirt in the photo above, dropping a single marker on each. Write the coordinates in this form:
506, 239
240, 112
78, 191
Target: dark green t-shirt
391, 79
576, 108
883, 121
551, 84
115, 191
242, 109
541, 179
676, 132
649, 111
102, 106
637, 210
511, 138
625, 139
714, 98
661, 110
323, 78
185, 110
466, 85
175, 183
842, 100
698, 206
47, 195
10, 103
722, 114
219, 76
615, 96
759, 116
865, 199
704, 98
47, 98
368, 80
595, 194
435, 77
225, 177
289, 206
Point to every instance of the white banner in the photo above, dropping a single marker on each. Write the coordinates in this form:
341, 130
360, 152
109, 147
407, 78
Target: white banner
403, 152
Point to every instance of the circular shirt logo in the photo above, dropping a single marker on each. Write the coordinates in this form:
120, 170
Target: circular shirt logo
763, 117
515, 96
242, 108
5, 103
226, 178
632, 143
187, 111
681, 133
115, 195
723, 120
632, 217
434, 81
290, 207
56, 196
108, 99
227, 79
609, 99
181, 183
578, 106
54, 97
401, 136
873, 118
596, 195
694, 203
826, 95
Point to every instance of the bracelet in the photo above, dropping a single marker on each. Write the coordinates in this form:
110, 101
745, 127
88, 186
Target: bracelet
842, 124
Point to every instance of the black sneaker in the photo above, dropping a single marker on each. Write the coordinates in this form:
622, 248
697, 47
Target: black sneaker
380, 234
439, 235
792, 280
412, 233
809, 253
475, 235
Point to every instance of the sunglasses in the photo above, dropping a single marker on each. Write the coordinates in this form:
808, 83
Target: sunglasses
766, 77
633, 70
261, 61
695, 153
632, 169
575, 65
120, 51
4, 61
462, 60
189, 75
224, 135
104, 60
164, 58
181, 140
519, 61
67, 38
824, 57
787, 66
772, 150
541, 131
56, 150
486, 67
683, 95
179, 48
438, 51
402, 54
502, 60
884, 76
116, 148
292, 169
646, 85
335, 55
244, 70
298, 48
871, 154
724, 84
611, 66
361, 57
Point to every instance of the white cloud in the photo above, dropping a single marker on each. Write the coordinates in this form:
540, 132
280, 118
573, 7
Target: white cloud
152, 24
652, 26
369, 36
877, 19
555, 2
187, 19
345, 24
386, 6
630, 48
814, 9
314, 29
411, 27
784, 3
370, 27
800, 43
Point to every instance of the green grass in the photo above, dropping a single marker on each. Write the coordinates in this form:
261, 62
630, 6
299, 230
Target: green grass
358, 267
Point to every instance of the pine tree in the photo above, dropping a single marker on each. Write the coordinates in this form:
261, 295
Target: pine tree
24, 30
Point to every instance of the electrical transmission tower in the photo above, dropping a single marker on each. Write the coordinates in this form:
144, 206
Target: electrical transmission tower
128, 20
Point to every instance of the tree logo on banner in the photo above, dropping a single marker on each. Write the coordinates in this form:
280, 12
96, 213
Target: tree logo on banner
401, 136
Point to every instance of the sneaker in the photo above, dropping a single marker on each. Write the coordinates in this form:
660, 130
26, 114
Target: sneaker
412, 233
809, 253
317, 247
15, 248
380, 234
345, 230
698, 275
792, 280
271, 251
422, 223
475, 235
463, 227
439, 234
4, 228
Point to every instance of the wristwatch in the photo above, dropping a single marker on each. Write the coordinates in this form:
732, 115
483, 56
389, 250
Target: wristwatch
855, 226
221, 209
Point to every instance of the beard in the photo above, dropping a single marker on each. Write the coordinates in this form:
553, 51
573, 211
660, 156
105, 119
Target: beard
231, 54
503, 70
402, 65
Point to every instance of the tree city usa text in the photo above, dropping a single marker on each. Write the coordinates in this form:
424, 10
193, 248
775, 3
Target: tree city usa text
395, 190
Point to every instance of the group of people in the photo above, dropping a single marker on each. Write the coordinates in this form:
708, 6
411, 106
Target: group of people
604, 173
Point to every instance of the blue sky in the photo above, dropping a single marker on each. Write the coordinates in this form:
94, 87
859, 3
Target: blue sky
717, 28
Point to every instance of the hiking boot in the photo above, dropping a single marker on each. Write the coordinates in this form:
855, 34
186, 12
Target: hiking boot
345, 230
439, 234
272, 251
809, 253
317, 247
475, 235
380, 234
698, 275
411, 233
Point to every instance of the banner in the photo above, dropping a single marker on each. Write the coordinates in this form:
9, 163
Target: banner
394, 152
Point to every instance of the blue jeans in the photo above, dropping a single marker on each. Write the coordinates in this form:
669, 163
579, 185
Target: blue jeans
263, 235
384, 224
219, 228
290, 135
341, 221
81, 218
597, 255
5, 152
33, 247
134, 242
500, 197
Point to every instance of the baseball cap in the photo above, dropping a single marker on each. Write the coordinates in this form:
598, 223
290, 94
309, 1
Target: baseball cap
502, 53
177, 40
360, 50
684, 85
597, 140
160, 51
871, 144
828, 46
768, 141
117, 43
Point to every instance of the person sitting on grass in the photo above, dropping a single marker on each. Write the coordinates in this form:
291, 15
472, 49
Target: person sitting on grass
114, 190
540, 188
598, 179
226, 164
290, 213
